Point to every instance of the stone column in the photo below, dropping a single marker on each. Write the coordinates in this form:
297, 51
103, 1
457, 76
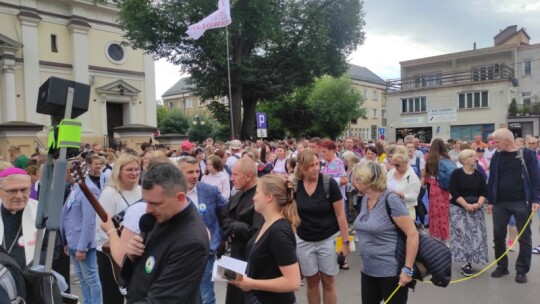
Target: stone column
104, 126
29, 29
79, 38
9, 109
150, 90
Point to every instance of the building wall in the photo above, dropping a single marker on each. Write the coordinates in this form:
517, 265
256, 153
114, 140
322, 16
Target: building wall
98, 70
374, 99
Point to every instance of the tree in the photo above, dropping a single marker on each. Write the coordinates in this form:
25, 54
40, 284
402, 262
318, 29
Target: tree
512, 109
322, 109
199, 131
276, 46
174, 122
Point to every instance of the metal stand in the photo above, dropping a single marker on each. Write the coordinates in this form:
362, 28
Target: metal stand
52, 196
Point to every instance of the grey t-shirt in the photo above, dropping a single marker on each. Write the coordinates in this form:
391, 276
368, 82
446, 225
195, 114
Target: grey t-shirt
378, 235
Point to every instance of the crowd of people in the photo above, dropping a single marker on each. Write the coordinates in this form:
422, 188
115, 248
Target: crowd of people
280, 206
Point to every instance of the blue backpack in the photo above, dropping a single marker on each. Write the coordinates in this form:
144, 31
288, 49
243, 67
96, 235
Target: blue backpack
446, 167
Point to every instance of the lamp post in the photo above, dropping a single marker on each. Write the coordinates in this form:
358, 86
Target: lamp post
197, 121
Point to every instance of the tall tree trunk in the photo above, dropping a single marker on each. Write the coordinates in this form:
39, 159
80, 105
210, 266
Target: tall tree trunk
248, 125
236, 112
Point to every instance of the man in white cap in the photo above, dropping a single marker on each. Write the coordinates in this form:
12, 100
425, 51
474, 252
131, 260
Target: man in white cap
236, 153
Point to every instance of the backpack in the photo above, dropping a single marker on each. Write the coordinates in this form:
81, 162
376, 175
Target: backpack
446, 167
416, 167
326, 184
433, 257
12, 284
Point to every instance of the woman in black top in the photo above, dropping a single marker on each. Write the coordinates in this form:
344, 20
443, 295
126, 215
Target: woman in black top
272, 272
467, 220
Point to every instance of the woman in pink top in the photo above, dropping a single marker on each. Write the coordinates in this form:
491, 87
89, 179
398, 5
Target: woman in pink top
215, 175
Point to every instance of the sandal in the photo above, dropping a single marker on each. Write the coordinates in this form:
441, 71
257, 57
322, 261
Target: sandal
536, 250
345, 266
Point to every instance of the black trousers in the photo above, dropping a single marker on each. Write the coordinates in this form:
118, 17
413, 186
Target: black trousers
375, 290
109, 287
501, 215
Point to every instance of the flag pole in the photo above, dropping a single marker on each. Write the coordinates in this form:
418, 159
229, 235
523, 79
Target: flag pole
229, 78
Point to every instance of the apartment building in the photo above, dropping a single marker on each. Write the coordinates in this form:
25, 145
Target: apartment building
372, 88
462, 94
76, 40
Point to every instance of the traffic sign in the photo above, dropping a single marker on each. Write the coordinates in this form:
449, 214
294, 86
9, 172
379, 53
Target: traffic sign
261, 121
381, 131
261, 133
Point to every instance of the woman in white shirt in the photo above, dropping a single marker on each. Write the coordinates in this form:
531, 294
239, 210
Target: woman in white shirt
215, 175
403, 180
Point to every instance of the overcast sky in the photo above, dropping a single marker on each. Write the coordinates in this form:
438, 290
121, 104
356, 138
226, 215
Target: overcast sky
398, 30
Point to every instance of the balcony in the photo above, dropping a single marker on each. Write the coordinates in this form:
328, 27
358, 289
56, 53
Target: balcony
530, 109
475, 75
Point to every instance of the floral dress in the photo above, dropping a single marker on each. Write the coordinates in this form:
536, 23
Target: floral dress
439, 210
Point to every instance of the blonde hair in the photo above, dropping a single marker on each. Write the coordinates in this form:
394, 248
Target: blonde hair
123, 160
400, 154
464, 154
283, 192
304, 161
371, 174
4, 165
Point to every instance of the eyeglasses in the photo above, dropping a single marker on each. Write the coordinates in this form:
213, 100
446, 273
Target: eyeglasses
14, 192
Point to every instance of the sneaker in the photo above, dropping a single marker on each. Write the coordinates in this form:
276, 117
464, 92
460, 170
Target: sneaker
521, 278
466, 270
510, 244
536, 250
499, 272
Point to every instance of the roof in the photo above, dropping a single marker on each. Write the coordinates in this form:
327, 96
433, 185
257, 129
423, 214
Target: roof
179, 87
364, 74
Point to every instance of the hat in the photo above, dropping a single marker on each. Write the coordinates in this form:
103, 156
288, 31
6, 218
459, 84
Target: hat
479, 149
235, 144
12, 171
186, 145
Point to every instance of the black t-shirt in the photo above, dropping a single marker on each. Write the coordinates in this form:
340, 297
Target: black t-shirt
275, 248
510, 187
318, 219
463, 184
12, 235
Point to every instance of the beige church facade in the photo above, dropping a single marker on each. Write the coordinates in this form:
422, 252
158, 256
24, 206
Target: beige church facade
75, 40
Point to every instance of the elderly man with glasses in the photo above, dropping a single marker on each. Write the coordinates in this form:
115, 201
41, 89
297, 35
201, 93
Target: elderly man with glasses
18, 215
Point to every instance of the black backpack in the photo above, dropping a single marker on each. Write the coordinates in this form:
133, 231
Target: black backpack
12, 286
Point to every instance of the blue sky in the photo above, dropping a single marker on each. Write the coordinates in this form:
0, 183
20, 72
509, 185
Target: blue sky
399, 30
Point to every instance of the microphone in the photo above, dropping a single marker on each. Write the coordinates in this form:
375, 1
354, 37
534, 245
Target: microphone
146, 224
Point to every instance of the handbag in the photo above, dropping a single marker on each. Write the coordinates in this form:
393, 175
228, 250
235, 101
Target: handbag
433, 258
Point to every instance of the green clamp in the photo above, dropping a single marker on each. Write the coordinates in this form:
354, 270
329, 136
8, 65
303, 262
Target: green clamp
69, 134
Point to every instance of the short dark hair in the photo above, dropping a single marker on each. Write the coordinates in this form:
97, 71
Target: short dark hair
166, 175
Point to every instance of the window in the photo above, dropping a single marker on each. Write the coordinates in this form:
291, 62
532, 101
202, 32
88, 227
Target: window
171, 105
526, 96
365, 93
488, 72
374, 113
375, 95
413, 104
429, 80
54, 47
354, 121
115, 52
383, 116
527, 68
473, 100
189, 103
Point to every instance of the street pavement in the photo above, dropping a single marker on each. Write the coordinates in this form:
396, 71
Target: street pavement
482, 289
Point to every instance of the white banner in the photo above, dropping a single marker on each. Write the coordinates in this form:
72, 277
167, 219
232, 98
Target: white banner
442, 115
219, 18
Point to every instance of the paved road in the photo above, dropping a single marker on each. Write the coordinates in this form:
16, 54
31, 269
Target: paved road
482, 289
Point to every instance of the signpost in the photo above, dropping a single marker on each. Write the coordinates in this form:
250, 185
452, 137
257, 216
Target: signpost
261, 125
442, 115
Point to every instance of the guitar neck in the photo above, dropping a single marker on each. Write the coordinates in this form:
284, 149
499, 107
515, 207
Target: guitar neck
94, 202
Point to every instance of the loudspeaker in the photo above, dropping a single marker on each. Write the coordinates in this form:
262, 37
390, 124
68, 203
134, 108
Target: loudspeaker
53, 94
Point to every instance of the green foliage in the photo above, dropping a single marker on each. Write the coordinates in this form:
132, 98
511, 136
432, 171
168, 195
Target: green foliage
512, 109
161, 113
322, 109
220, 112
275, 46
174, 122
